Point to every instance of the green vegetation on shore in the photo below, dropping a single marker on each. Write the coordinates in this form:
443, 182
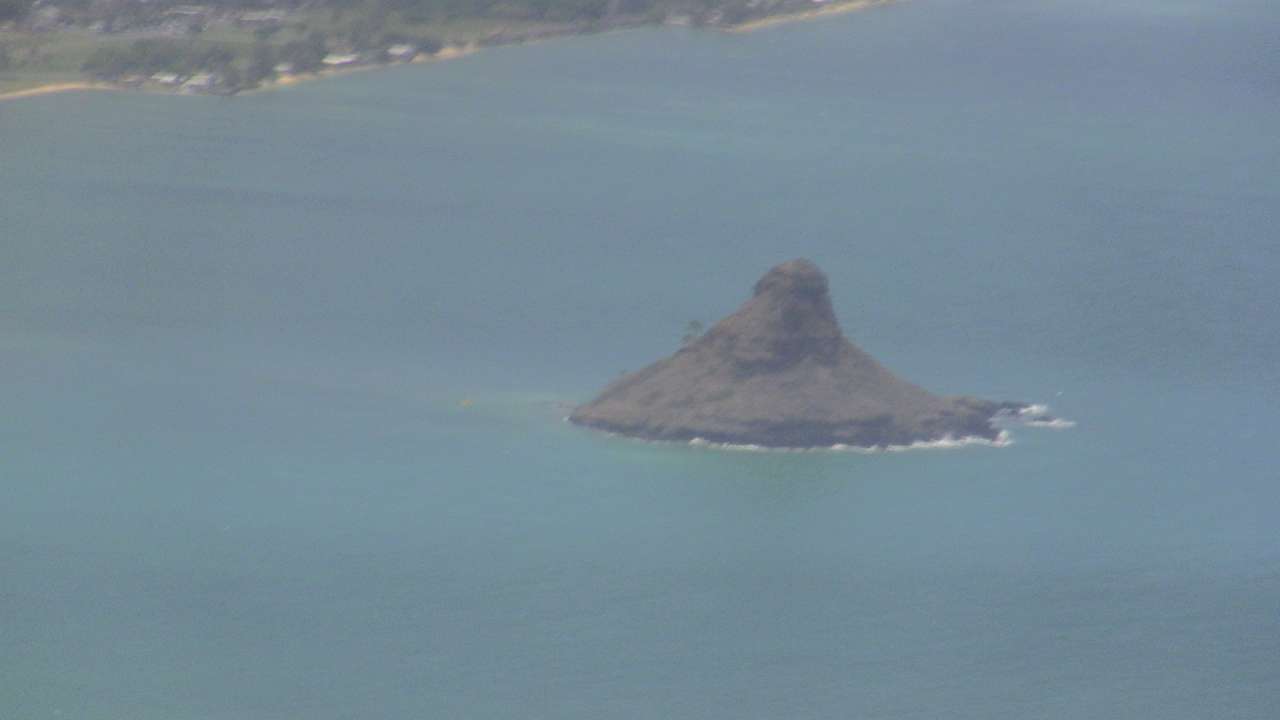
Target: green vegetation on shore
230, 45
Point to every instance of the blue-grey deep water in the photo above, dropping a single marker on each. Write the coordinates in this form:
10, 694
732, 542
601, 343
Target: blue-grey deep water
282, 379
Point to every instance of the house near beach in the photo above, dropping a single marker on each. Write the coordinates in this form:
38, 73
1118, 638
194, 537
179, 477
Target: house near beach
402, 52
340, 59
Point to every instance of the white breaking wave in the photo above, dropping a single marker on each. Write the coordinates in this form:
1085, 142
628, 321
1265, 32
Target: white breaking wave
1054, 424
1030, 416
1038, 416
951, 443
945, 443
739, 447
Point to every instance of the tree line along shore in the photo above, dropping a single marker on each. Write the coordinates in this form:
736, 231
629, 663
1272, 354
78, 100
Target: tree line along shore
230, 46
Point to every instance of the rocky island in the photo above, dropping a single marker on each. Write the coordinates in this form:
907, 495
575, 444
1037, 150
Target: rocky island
780, 373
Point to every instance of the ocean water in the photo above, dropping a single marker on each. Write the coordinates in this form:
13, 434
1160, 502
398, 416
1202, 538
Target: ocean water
282, 379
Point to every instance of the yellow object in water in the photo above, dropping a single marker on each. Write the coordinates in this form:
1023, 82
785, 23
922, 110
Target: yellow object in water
465, 402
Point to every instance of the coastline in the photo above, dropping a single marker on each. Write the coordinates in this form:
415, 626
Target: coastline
450, 52
453, 52
1003, 439
53, 89
829, 9
1030, 416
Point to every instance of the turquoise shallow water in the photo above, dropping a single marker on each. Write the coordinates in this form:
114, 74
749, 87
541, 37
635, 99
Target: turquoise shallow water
234, 336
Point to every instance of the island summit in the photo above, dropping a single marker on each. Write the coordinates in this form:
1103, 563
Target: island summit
780, 373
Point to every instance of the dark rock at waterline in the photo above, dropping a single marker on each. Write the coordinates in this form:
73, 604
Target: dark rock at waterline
779, 372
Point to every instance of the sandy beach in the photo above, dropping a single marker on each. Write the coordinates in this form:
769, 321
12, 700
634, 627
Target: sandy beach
53, 89
828, 9
451, 52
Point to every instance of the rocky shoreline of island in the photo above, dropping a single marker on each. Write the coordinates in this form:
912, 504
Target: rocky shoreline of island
780, 373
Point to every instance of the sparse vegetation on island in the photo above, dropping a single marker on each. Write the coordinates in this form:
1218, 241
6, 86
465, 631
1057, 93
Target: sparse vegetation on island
228, 46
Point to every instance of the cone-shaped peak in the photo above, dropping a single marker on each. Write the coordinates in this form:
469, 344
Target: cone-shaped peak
794, 277
789, 318
779, 372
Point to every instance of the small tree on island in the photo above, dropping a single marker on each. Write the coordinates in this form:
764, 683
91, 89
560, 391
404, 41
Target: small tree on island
262, 64
692, 331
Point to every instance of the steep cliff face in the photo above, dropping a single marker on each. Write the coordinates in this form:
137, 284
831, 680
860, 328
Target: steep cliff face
779, 372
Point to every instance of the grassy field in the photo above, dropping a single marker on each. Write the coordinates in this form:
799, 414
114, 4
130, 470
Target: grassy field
39, 59
44, 59
51, 58
57, 57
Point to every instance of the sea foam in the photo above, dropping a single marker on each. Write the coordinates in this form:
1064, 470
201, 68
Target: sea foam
944, 443
1053, 424
1037, 415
